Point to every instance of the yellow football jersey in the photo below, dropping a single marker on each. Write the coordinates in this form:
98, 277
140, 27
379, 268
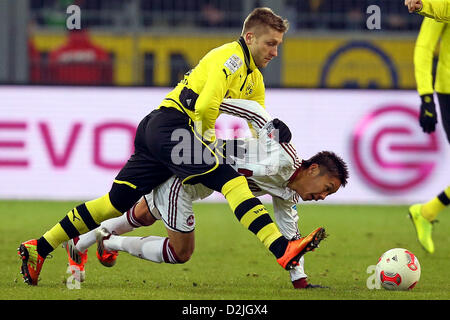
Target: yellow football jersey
430, 33
228, 71
436, 9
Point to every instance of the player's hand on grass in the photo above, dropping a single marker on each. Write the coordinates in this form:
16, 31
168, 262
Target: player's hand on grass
427, 118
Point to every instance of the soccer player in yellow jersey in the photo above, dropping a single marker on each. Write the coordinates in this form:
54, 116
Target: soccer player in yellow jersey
431, 31
178, 139
435, 9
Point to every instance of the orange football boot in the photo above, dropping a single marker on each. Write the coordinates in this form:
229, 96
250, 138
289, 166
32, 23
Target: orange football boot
105, 257
297, 248
31, 262
77, 260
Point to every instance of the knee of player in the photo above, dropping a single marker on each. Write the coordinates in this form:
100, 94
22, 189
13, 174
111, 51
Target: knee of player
184, 254
143, 214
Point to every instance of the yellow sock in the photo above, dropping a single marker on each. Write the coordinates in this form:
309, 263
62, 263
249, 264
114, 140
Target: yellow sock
236, 191
81, 219
431, 209
252, 214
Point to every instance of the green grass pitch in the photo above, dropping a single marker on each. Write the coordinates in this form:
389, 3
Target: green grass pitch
229, 262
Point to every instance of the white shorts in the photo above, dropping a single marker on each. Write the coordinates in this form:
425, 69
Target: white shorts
171, 203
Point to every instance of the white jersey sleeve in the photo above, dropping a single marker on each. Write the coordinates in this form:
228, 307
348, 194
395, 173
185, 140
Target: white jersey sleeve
248, 110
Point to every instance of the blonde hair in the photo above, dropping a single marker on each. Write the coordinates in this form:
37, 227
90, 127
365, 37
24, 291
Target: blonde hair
264, 17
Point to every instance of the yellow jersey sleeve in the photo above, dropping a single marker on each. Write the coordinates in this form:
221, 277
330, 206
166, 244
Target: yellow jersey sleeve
436, 9
429, 34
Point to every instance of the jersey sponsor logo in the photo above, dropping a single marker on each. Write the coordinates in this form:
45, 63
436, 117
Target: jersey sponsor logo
233, 63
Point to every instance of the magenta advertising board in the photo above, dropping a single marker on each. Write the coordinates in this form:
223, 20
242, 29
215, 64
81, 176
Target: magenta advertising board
69, 143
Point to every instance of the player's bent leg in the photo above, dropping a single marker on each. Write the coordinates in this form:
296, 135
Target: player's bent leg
79, 220
182, 244
140, 214
254, 216
137, 216
152, 248
247, 208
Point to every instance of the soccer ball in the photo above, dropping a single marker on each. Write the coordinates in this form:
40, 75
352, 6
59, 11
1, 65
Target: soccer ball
398, 269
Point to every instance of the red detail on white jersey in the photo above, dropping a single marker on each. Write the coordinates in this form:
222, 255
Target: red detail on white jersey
294, 174
243, 113
245, 172
290, 150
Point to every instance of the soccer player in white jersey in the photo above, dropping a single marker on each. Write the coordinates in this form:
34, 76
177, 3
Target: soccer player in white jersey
270, 167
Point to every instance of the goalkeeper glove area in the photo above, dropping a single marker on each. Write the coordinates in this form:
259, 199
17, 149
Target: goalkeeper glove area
427, 118
284, 133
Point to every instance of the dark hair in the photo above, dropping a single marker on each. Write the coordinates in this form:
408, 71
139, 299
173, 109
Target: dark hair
265, 16
329, 163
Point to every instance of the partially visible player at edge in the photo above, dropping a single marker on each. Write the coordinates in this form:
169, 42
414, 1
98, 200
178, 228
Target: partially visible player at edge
229, 71
434, 9
431, 31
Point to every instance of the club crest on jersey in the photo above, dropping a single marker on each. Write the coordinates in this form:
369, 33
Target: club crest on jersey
190, 220
249, 89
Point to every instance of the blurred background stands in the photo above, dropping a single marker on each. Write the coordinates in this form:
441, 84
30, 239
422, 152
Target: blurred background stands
154, 42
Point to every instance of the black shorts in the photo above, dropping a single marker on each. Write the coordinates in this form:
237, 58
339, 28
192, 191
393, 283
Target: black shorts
444, 103
165, 145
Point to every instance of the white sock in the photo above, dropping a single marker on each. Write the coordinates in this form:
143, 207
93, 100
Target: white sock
299, 271
152, 248
119, 225
85, 240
